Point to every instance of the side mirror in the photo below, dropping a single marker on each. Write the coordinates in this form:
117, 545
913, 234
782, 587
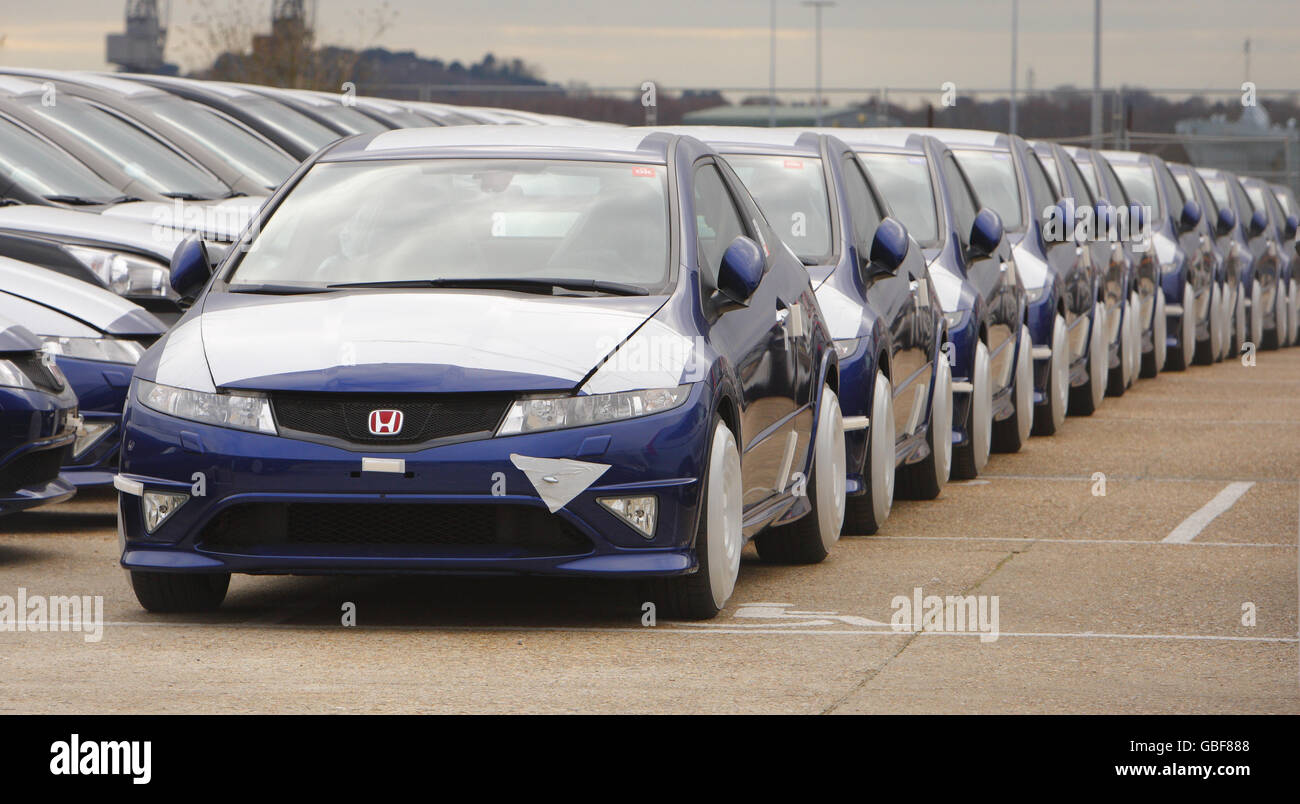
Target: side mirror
888, 249
1292, 223
1258, 223
985, 234
1227, 221
739, 274
191, 267
1190, 216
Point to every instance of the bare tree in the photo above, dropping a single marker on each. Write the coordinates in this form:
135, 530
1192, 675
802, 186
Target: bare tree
230, 37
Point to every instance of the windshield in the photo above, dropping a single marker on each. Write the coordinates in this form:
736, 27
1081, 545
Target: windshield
904, 180
792, 195
455, 220
995, 183
244, 151
40, 168
1140, 184
130, 150
290, 124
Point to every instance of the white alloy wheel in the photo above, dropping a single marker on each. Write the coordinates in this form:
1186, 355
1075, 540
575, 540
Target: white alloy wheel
829, 469
724, 539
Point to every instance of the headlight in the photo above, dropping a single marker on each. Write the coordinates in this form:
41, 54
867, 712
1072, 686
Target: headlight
13, 377
107, 350
124, 274
242, 411
1035, 295
554, 412
847, 347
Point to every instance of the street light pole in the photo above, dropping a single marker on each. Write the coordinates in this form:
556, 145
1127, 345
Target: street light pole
1096, 74
1015, 42
817, 6
771, 73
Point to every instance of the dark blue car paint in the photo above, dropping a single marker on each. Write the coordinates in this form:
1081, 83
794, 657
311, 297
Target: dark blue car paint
746, 358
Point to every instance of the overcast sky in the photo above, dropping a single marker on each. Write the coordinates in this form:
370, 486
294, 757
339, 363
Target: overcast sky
1194, 44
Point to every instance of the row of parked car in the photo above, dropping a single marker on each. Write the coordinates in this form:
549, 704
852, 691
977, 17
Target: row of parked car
569, 349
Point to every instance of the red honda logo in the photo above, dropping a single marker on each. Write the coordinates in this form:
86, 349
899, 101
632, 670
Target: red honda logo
385, 422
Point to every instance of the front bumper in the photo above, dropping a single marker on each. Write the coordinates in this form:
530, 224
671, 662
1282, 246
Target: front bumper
35, 434
293, 484
101, 390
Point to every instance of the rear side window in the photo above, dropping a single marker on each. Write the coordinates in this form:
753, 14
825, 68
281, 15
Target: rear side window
717, 221
862, 205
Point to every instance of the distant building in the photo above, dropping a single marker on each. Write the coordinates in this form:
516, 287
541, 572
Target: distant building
140, 49
1252, 145
760, 115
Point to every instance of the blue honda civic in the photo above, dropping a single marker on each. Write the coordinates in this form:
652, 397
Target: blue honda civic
95, 337
882, 310
38, 423
570, 351
980, 291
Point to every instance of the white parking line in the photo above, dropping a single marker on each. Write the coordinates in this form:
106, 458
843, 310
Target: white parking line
1194, 524
677, 629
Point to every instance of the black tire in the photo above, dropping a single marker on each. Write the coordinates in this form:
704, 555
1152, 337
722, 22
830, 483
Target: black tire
171, 592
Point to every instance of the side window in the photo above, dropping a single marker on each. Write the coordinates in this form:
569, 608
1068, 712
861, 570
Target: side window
1244, 206
1076, 178
862, 205
1116, 187
1044, 195
964, 205
1175, 193
717, 221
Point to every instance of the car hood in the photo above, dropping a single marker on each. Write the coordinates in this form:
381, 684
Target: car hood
212, 220
17, 338
427, 341
87, 304
89, 228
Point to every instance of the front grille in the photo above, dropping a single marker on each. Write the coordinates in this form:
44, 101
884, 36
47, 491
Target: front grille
31, 364
447, 528
347, 416
32, 469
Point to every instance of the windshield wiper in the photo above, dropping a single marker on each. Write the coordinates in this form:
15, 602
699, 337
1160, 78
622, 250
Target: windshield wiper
76, 200
188, 196
526, 284
277, 290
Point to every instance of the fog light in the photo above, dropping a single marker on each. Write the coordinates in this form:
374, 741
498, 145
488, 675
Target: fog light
159, 505
88, 435
639, 512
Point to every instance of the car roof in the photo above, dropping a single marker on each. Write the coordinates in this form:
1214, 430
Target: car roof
228, 91
725, 139
965, 137
611, 144
83, 78
899, 140
14, 87
1126, 157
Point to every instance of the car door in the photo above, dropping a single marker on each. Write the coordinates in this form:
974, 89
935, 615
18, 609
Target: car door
756, 339
897, 298
989, 274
